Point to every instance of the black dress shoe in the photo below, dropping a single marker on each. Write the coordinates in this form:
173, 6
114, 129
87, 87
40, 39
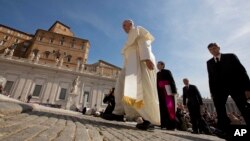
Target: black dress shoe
145, 126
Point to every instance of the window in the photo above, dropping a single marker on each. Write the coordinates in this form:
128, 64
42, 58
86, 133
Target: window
47, 54
69, 58
36, 51
82, 47
79, 60
62, 94
51, 40
14, 46
6, 37
86, 96
57, 53
8, 86
37, 90
61, 42
16, 40
40, 38
72, 45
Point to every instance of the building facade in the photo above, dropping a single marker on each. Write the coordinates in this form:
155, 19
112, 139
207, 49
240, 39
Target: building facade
45, 65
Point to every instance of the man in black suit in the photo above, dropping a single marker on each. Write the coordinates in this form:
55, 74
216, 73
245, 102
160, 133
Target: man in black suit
193, 101
227, 76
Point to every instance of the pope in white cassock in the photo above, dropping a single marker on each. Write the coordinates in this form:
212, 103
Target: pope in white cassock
136, 85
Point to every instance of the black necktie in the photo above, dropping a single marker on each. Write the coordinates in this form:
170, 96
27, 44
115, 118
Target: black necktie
217, 60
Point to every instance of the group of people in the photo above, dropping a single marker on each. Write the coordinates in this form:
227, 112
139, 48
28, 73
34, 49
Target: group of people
142, 91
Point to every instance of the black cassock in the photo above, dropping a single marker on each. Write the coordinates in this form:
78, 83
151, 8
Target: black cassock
110, 100
166, 101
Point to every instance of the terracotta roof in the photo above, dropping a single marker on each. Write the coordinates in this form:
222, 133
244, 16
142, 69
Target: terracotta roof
59, 23
16, 30
61, 35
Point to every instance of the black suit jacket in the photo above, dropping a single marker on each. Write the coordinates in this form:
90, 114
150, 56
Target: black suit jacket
228, 74
193, 95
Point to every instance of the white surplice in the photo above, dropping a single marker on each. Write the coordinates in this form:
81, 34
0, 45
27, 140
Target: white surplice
140, 90
122, 109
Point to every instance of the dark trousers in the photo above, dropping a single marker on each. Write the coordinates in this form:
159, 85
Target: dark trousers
198, 123
240, 100
195, 116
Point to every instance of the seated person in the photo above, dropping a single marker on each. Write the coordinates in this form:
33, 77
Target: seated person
110, 100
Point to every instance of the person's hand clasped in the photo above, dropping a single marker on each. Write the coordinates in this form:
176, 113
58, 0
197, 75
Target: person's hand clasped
149, 64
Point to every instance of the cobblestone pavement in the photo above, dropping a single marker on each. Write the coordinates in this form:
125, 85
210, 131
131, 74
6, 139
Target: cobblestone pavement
32, 122
48, 126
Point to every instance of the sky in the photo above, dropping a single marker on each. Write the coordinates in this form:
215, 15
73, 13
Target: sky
182, 29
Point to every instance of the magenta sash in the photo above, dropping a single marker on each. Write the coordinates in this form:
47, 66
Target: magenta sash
170, 105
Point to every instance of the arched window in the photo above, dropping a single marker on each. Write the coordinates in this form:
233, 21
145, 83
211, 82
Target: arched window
35, 51
79, 60
61, 42
57, 53
82, 46
47, 53
40, 38
72, 45
51, 40
69, 58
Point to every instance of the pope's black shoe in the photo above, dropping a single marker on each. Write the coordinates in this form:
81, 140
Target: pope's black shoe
146, 125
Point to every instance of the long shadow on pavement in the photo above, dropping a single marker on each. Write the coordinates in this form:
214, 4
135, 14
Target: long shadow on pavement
96, 122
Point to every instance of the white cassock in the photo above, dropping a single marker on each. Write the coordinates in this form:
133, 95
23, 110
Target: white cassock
136, 85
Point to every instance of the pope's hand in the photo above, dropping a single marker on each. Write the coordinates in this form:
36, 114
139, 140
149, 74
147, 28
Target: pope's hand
149, 64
